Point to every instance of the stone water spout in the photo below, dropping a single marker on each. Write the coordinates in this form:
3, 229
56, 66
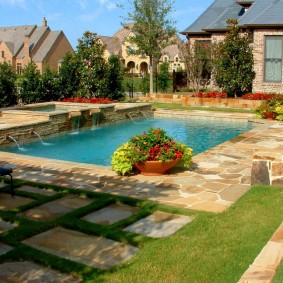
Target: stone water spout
11, 138
33, 132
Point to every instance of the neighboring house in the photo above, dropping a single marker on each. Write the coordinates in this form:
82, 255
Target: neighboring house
137, 64
20, 45
265, 21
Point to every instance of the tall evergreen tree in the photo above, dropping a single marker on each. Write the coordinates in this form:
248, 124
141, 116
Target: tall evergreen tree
114, 79
234, 62
164, 76
92, 66
69, 78
30, 84
49, 88
8, 92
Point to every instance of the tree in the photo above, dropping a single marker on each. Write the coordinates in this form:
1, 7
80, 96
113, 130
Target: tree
152, 28
164, 77
69, 78
50, 87
92, 66
114, 79
8, 91
198, 62
234, 61
30, 84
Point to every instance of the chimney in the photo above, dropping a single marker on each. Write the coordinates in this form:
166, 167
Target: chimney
44, 22
26, 46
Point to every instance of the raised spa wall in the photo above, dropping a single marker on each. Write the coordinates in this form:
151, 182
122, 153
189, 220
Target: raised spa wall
25, 123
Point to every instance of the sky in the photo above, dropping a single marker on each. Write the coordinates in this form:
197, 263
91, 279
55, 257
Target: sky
74, 17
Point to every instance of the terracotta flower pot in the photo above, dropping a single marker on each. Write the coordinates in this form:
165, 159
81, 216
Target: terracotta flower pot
269, 115
155, 168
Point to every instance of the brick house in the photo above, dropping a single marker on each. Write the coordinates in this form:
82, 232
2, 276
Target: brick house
20, 45
119, 45
265, 21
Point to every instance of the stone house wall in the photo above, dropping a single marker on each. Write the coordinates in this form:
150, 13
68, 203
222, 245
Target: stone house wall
55, 54
259, 85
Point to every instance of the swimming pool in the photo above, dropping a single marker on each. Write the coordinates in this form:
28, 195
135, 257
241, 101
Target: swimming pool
95, 146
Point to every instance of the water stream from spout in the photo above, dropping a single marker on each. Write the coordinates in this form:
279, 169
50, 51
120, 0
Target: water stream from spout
15, 141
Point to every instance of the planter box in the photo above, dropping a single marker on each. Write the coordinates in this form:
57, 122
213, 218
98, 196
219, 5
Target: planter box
221, 102
186, 99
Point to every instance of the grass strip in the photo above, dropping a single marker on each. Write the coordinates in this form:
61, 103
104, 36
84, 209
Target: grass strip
175, 106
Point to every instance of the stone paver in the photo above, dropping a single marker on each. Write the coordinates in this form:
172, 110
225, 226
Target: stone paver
159, 224
35, 190
4, 226
110, 214
4, 248
8, 202
264, 267
257, 274
90, 250
53, 209
28, 272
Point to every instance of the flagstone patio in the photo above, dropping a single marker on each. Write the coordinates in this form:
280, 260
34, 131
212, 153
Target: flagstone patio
217, 179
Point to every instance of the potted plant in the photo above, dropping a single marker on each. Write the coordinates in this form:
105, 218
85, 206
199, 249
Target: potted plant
152, 148
271, 109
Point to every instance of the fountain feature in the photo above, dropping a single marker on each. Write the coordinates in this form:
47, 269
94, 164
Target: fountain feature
76, 121
95, 120
130, 116
58, 117
15, 141
38, 135
144, 115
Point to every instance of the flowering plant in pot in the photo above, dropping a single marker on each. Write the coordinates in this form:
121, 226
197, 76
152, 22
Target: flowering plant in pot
271, 109
154, 145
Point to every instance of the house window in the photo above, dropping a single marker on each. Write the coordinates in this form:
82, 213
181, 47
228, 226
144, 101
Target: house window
2, 54
19, 68
165, 59
273, 59
177, 59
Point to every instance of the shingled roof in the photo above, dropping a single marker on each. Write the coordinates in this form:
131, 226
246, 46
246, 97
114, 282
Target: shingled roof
46, 46
14, 36
112, 43
264, 13
40, 39
259, 13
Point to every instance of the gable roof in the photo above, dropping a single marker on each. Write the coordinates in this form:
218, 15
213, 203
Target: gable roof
263, 12
14, 36
46, 46
123, 33
260, 13
215, 16
112, 43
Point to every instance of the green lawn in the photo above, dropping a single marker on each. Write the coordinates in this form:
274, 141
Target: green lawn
179, 106
212, 248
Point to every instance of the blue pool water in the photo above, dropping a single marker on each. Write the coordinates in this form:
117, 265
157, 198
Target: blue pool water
95, 146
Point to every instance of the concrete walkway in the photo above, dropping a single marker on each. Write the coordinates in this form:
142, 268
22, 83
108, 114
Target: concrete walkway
217, 179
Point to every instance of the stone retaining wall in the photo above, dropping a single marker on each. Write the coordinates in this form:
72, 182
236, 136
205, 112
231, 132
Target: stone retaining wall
267, 169
189, 100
